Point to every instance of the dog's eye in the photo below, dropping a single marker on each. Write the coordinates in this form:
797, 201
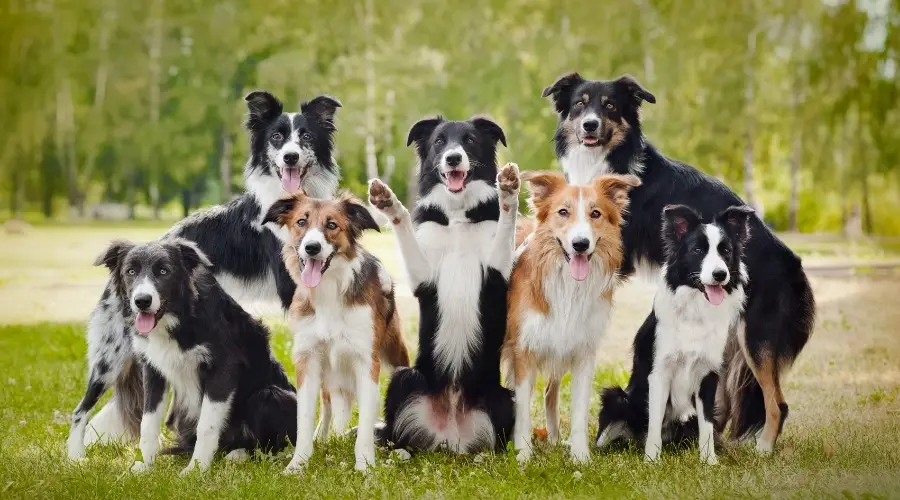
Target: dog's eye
331, 225
163, 271
277, 136
579, 105
301, 222
698, 251
595, 214
438, 141
610, 106
726, 251
563, 212
470, 140
306, 136
131, 272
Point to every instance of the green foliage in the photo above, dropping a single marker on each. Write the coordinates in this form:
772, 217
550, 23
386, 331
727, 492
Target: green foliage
140, 102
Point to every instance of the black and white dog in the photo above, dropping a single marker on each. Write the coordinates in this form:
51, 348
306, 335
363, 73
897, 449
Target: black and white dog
599, 132
287, 151
230, 391
458, 251
678, 352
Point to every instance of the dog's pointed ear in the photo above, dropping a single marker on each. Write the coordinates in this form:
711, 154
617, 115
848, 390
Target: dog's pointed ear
281, 209
263, 107
677, 221
322, 109
490, 128
542, 183
616, 188
629, 85
422, 129
561, 91
191, 254
736, 220
359, 215
114, 253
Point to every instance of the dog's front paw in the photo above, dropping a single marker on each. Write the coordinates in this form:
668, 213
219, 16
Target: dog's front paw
139, 467
524, 455
579, 454
508, 186
382, 198
193, 465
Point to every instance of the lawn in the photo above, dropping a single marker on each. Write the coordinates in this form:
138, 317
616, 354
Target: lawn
842, 438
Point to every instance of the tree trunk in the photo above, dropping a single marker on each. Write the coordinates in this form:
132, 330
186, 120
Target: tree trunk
371, 161
749, 111
225, 165
412, 184
794, 204
185, 202
155, 71
390, 162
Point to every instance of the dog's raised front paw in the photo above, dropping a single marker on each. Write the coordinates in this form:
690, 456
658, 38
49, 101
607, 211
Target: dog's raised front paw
382, 198
508, 185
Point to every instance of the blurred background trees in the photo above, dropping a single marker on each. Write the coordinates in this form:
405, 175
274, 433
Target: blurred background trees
792, 103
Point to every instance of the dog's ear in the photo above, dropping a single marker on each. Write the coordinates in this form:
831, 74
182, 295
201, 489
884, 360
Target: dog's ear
422, 129
281, 209
630, 86
359, 215
616, 188
561, 91
322, 109
541, 184
678, 220
114, 253
263, 107
191, 255
735, 220
490, 128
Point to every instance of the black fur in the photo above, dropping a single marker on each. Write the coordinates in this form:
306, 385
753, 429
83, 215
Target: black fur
780, 307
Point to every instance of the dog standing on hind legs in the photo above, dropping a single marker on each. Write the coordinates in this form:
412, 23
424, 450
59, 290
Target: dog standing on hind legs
458, 256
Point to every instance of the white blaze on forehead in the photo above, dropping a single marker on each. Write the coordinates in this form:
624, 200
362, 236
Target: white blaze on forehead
712, 261
146, 287
456, 149
582, 227
315, 235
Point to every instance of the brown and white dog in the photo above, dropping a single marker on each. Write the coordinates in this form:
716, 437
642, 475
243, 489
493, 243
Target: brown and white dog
560, 297
343, 316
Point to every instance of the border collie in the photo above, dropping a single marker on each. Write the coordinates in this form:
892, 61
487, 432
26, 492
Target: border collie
560, 298
287, 151
599, 132
678, 352
344, 318
230, 391
459, 256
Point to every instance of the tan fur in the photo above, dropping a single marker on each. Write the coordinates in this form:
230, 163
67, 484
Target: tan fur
550, 192
387, 337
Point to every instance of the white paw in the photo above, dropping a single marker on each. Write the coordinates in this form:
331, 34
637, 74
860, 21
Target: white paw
651, 454
764, 447
361, 465
139, 467
293, 469
382, 198
710, 459
580, 454
192, 466
401, 454
524, 455
237, 456
552, 438
508, 186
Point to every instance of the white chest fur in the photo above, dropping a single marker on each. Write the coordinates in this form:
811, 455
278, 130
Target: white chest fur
690, 340
577, 321
179, 367
457, 254
341, 336
583, 164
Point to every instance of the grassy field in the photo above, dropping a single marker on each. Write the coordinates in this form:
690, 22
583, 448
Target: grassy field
841, 440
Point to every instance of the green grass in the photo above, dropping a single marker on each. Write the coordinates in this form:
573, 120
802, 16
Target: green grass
44, 370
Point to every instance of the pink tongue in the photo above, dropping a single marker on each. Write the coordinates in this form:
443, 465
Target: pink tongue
290, 180
145, 322
578, 266
715, 294
312, 273
590, 140
455, 180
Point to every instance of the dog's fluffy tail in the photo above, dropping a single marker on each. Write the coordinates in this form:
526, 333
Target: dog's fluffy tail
739, 398
129, 395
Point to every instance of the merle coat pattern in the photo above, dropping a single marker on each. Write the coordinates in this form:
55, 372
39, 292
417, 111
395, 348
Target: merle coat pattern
599, 131
458, 250
230, 391
245, 252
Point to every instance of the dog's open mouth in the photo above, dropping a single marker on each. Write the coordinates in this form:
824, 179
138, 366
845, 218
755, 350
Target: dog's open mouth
579, 264
456, 180
144, 323
715, 294
291, 177
313, 269
591, 139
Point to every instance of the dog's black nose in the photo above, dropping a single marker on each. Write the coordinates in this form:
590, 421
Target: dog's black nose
720, 275
580, 245
453, 159
291, 158
313, 248
143, 301
590, 125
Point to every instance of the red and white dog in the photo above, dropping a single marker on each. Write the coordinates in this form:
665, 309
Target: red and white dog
560, 297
